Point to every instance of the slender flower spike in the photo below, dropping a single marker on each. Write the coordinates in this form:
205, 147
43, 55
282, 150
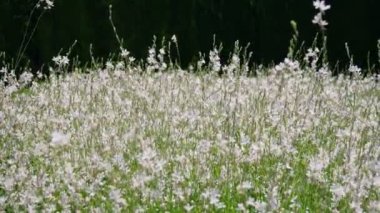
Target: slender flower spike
322, 7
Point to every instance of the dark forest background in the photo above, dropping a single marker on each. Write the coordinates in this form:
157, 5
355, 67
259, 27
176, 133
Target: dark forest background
263, 23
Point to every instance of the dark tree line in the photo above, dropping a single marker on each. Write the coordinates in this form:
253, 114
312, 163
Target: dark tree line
263, 23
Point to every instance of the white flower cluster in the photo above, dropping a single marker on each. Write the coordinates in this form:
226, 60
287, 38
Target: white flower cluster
354, 69
156, 62
312, 57
125, 54
288, 65
45, 4
215, 60
59, 139
233, 67
61, 61
26, 78
318, 18
10, 83
197, 142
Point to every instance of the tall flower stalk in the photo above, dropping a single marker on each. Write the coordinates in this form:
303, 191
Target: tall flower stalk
45, 5
319, 20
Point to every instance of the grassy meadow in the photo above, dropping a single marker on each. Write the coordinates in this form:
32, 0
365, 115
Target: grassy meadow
131, 136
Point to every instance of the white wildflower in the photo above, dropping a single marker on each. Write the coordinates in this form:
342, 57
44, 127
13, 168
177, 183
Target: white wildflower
3, 70
26, 78
11, 89
241, 207
356, 206
338, 191
213, 196
244, 139
246, 185
45, 4
162, 51
317, 164
354, 69
59, 139
40, 149
116, 196
250, 202
139, 209
39, 75
280, 67
120, 65
131, 59
311, 57
318, 19
188, 207
288, 64
292, 64
220, 205
61, 60
200, 63
161, 57
109, 65
174, 39
323, 71
320, 5
9, 183
152, 62
274, 202
233, 66
260, 206
374, 206
124, 53
215, 60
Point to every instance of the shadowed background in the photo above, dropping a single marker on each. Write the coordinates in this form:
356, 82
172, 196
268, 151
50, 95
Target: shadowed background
263, 23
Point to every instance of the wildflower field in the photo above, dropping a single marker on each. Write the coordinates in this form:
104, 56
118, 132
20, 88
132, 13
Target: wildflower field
148, 136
